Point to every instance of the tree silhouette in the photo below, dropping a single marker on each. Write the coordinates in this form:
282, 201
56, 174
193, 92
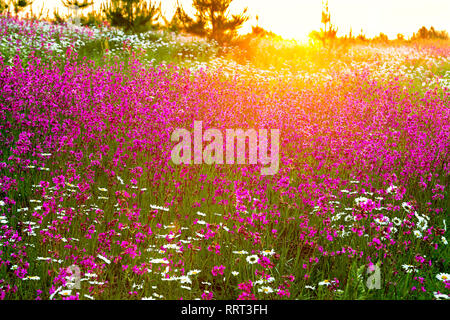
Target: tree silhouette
3, 6
361, 36
212, 19
381, 37
181, 21
132, 15
328, 31
175, 23
424, 33
17, 5
76, 3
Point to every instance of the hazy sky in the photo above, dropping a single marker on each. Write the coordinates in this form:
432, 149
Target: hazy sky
296, 18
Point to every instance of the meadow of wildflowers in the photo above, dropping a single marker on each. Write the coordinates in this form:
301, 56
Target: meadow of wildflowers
92, 207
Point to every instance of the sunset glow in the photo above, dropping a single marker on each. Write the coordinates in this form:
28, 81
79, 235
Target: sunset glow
206, 157
297, 18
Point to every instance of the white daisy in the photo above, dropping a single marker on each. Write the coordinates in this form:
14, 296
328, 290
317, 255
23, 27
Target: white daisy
409, 268
269, 280
159, 207
349, 218
336, 217
184, 279
406, 206
137, 286
268, 252
171, 246
65, 293
240, 252
265, 290
382, 221
361, 200
417, 233
391, 189
325, 283
440, 296
43, 259
397, 221
104, 259
90, 275
443, 276
194, 272
164, 261
252, 259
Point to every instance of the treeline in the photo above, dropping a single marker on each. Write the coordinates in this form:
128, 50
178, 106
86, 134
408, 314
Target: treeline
422, 34
328, 33
212, 19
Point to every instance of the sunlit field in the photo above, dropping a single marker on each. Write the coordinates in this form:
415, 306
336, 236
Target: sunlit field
92, 206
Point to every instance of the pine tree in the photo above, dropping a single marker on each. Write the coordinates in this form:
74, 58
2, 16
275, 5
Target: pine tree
18, 5
212, 19
82, 4
424, 33
181, 21
132, 15
3, 6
